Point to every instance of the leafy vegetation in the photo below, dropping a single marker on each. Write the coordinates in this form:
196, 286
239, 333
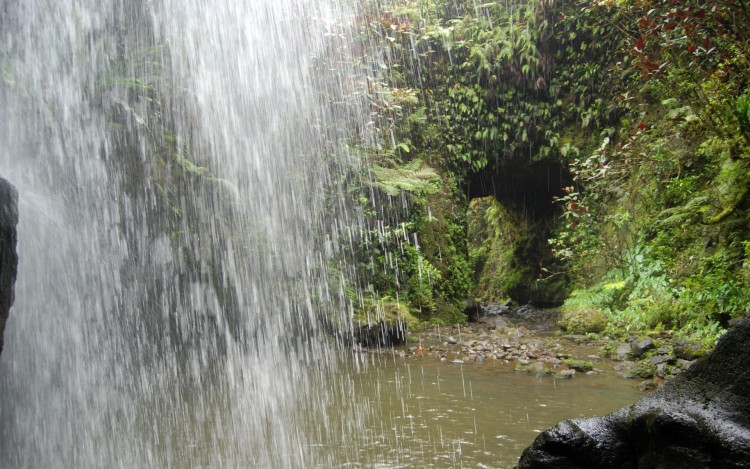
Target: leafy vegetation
643, 104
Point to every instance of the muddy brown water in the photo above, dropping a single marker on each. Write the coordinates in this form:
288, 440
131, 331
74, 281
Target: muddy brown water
393, 409
432, 413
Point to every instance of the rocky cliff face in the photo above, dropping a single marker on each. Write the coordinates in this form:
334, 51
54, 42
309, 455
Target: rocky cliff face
701, 419
8, 256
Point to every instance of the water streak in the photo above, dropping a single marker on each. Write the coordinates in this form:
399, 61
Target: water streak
177, 164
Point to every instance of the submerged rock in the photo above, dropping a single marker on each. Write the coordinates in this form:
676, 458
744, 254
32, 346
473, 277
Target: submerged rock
8, 256
701, 419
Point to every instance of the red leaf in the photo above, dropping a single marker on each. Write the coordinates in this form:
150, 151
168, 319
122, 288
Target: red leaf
642, 126
639, 44
692, 48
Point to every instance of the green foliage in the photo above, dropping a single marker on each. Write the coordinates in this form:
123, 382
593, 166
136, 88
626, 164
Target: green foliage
742, 110
645, 102
582, 321
657, 209
493, 235
413, 178
385, 310
449, 314
487, 91
422, 261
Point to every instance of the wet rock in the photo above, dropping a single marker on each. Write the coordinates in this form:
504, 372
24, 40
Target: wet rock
8, 255
565, 374
662, 371
688, 350
497, 309
575, 337
579, 365
622, 353
541, 370
663, 359
626, 370
700, 419
639, 347
538, 369
451, 340
647, 386
684, 364
555, 361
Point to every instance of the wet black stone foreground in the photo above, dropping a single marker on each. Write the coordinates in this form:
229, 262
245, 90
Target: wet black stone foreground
701, 419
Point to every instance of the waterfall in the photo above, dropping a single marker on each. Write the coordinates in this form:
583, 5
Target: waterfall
177, 167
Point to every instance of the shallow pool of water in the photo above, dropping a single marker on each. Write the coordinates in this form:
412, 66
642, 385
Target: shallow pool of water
380, 410
421, 412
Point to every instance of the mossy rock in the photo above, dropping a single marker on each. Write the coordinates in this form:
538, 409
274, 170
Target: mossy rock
579, 365
583, 321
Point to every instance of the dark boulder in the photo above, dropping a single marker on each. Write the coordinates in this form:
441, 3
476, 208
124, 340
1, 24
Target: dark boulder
8, 256
701, 419
640, 347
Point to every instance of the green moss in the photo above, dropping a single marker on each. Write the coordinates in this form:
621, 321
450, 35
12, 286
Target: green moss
450, 314
583, 321
644, 370
493, 232
508, 254
579, 365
